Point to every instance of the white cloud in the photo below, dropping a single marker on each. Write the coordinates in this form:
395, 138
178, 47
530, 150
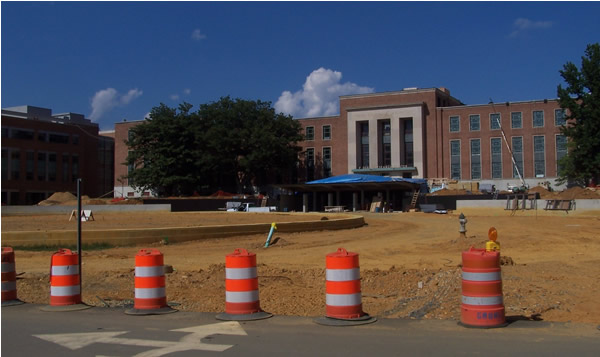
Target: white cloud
522, 24
174, 97
198, 35
187, 91
131, 95
319, 95
106, 99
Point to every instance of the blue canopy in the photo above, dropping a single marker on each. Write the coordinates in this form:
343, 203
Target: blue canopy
358, 178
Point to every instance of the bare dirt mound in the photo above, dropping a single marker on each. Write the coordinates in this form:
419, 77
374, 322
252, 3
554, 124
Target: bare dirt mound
573, 193
57, 198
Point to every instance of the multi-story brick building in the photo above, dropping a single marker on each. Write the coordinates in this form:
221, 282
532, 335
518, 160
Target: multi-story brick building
43, 153
427, 133
418, 133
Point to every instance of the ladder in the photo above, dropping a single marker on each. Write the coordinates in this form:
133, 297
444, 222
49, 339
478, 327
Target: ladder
413, 202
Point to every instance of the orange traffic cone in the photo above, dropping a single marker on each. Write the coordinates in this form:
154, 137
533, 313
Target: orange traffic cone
241, 288
343, 294
150, 291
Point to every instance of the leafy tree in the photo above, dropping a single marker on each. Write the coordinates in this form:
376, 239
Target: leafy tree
581, 99
237, 142
256, 145
163, 151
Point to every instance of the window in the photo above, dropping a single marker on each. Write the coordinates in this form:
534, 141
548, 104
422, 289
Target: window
74, 168
52, 166
496, 149
326, 132
476, 159
58, 138
454, 124
409, 158
41, 166
517, 148
42, 136
516, 120
474, 122
21, 134
539, 153
29, 165
455, 159
15, 164
538, 118
364, 144
310, 157
326, 161
65, 167
4, 164
561, 151
310, 133
495, 121
559, 117
386, 143
310, 164
4, 132
75, 139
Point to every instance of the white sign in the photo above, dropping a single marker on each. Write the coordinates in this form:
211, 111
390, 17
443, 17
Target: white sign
192, 341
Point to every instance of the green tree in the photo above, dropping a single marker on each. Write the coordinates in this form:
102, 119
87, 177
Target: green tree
226, 143
163, 152
581, 100
256, 145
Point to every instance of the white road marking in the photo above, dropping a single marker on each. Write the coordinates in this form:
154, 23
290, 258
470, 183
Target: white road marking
191, 341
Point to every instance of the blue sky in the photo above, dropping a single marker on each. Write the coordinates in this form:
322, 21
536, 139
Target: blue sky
116, 60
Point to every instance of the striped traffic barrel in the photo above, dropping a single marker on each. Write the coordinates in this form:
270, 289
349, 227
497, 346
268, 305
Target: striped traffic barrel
241, 288
343, 297
9, 278
65, 288
150, 290
482, 301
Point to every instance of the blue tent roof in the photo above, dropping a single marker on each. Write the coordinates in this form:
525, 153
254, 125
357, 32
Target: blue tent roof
357, 178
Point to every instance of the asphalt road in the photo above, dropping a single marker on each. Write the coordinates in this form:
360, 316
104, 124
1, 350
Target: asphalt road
28, 331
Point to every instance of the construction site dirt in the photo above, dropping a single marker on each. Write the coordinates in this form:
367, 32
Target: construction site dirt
410, 263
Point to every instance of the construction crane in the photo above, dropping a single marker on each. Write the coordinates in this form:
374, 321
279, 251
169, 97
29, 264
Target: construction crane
524, 186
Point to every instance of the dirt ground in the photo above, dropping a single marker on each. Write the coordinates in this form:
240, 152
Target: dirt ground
410, 263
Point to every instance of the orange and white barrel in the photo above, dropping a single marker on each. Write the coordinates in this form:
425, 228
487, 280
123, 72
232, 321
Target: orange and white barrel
150, 286
241, 288
9, 277
482, 299
64, 278
343, 293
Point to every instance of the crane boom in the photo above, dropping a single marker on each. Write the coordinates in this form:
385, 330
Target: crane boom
524, 186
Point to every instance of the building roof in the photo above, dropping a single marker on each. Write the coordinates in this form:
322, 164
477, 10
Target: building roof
357, 182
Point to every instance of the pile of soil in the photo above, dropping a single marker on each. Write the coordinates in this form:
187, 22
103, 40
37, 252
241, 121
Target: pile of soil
69, 199
573, 193
58, 198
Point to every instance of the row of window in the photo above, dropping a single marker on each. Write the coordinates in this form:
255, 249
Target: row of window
309, 132
310, 162
43, 136
39, 166
539, 156
516, 120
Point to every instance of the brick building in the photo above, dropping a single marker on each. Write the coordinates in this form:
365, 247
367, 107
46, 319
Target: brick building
427, 133
418, 133
43, 153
